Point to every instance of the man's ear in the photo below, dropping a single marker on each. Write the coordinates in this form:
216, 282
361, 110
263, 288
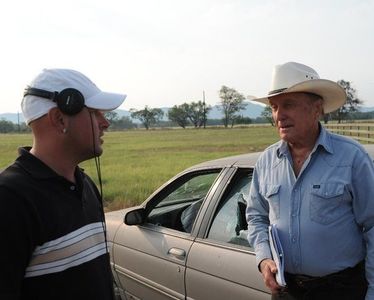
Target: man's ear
57, 119
318, 108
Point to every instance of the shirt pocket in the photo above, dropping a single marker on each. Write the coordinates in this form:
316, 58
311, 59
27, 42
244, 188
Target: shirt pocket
271, 194
326, 202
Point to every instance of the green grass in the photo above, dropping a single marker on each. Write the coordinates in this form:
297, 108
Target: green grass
137, 162
9, 143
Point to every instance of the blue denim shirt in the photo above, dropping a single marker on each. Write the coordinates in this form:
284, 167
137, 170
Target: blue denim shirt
325, 216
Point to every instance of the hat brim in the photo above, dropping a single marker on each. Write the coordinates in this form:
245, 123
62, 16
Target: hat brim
332, 94
105, 101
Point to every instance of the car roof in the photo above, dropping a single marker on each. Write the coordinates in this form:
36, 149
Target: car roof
242, 160
248, 160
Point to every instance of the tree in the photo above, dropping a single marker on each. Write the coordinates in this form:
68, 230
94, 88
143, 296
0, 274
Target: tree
147, 116
122, 123
6, 126
268, 115
231, 102
197, 112
179, 114
351, 104
243, 120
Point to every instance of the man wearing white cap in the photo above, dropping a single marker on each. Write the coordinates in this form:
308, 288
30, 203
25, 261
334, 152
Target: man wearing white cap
316, 188
51, 218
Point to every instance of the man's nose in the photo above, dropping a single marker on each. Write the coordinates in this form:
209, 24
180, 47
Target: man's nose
280, 114
104, 123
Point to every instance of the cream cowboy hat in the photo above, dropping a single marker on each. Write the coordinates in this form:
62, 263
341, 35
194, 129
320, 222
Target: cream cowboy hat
294, 77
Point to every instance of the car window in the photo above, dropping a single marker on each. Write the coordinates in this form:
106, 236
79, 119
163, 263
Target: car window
229, 224
191, 190
178, 208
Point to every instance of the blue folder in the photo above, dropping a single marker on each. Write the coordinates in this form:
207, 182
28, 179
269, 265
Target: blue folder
277, 253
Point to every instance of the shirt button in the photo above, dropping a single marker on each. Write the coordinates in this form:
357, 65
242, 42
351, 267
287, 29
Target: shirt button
294, 240
72, 188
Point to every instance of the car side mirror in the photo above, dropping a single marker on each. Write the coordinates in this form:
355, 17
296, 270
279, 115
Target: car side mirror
135, 217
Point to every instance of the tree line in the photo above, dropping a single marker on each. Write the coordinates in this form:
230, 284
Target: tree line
10, 127
232, 102
195, 113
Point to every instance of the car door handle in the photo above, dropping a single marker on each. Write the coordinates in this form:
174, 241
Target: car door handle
178, 253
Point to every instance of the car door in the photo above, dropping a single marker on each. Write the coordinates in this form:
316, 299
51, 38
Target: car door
150, 259
221, 264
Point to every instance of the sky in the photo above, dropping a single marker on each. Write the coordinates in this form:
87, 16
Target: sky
167, 52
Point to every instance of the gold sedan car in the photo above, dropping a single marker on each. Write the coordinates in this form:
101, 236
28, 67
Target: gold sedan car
188, 240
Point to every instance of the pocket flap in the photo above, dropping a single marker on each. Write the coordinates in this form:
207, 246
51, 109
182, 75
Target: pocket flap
328, 190
271, 189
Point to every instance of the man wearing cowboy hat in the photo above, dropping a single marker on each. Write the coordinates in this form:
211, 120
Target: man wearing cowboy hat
316, 188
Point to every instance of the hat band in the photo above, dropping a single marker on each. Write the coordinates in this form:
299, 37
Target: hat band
276, 91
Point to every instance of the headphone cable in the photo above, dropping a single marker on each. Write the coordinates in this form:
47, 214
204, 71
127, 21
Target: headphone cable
98, 172
103, 224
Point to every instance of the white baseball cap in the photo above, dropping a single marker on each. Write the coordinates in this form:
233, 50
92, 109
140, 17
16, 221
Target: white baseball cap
56, 80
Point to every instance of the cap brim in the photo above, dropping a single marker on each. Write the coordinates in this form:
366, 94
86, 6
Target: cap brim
105, 101
333, 94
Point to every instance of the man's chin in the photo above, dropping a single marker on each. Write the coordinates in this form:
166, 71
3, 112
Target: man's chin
286, 137
96, 153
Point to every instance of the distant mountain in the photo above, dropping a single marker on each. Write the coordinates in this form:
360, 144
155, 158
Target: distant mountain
123, 113
252, 111
366, 109
12, 117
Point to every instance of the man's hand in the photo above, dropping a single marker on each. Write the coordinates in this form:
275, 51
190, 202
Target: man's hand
268, 269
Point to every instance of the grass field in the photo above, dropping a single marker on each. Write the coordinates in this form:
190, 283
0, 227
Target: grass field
136, 162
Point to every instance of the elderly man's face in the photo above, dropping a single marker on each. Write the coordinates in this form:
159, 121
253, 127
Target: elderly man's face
296, 117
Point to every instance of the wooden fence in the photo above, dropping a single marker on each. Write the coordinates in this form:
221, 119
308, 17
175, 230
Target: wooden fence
363, 132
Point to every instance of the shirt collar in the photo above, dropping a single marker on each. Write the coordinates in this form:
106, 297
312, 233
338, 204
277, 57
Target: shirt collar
323, 140
36, 168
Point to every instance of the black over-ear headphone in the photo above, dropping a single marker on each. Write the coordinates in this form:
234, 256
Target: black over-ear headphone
70, 101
